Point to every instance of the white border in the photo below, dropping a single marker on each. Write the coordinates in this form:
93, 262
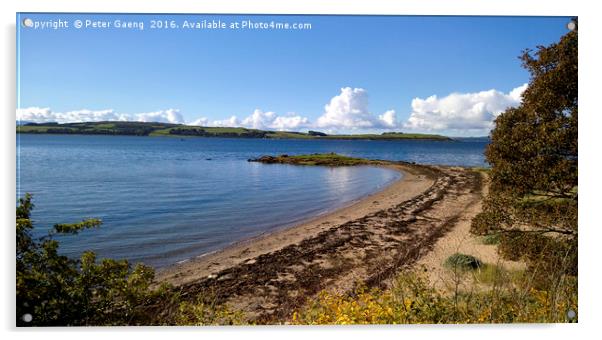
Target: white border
590, 226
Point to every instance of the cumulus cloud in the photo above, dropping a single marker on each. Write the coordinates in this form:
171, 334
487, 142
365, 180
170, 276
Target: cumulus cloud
462, 111
270, 120
388, 119
230, 122
260, 120
165, 116
43, 115
349, 110
200, 122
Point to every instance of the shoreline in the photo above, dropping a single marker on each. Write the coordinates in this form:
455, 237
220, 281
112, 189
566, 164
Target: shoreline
368, 243
286, 226
412, 182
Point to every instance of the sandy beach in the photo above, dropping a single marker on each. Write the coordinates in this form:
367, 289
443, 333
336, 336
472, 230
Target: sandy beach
365, 243
413, 182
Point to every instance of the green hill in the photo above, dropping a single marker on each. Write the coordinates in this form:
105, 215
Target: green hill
180, 130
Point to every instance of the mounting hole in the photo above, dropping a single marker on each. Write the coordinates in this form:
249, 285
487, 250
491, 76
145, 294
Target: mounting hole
571, 26
27, 22
27, 317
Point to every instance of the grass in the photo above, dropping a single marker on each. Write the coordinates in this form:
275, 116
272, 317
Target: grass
412, 300
34, 129
482, 169
491, 274
176, 130
493, 239
388, 136
327, 159
463, 262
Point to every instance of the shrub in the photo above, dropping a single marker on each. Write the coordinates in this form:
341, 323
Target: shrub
463, 261
54, 290
412, 300
491, 239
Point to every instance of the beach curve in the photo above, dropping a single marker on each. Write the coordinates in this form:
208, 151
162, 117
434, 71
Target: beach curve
367, 243
411, 183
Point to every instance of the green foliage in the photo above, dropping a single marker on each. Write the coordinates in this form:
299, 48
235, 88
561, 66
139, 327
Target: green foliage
492, 274
532, 204
491, 239
202, 313
460, 261
216, 132
58, 291
74, 228
534, 146
412, 300
324, 159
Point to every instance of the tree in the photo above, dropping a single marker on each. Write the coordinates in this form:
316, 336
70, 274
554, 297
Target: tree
533, 152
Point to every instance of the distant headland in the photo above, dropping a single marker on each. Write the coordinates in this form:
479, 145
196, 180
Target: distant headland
181, 130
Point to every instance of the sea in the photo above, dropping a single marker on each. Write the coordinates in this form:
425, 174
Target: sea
165, 200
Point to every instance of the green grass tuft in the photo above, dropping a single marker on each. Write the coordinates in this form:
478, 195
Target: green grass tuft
493, 239
495, 274
463, 261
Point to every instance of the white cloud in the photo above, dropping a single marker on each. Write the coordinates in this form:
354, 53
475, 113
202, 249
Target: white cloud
388, 119
270, 120
462, 111
230, 122
290, 122
42, 115
260, 120
200, 122
349, 111
517, 93
456, 113
165, 116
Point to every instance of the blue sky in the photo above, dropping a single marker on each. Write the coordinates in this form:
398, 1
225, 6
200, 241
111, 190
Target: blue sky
448, 75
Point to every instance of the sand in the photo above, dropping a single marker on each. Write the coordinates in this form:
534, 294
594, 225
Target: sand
413, 182
461, 240
367, 243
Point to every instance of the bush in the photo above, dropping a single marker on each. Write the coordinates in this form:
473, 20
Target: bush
412, 300
463, 261
54, 290
492, 239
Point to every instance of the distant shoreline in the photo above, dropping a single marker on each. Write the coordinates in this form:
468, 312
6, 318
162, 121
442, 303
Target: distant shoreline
180, 130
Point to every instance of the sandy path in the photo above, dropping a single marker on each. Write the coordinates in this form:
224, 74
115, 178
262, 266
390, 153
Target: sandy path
460, 240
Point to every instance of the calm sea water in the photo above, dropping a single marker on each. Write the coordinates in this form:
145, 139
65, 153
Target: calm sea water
164, 200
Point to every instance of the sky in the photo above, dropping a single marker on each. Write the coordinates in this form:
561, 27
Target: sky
344, 74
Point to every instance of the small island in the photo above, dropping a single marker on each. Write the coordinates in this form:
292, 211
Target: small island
181, 130
326, 159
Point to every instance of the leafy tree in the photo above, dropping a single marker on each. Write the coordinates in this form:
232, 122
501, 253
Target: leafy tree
532, 201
